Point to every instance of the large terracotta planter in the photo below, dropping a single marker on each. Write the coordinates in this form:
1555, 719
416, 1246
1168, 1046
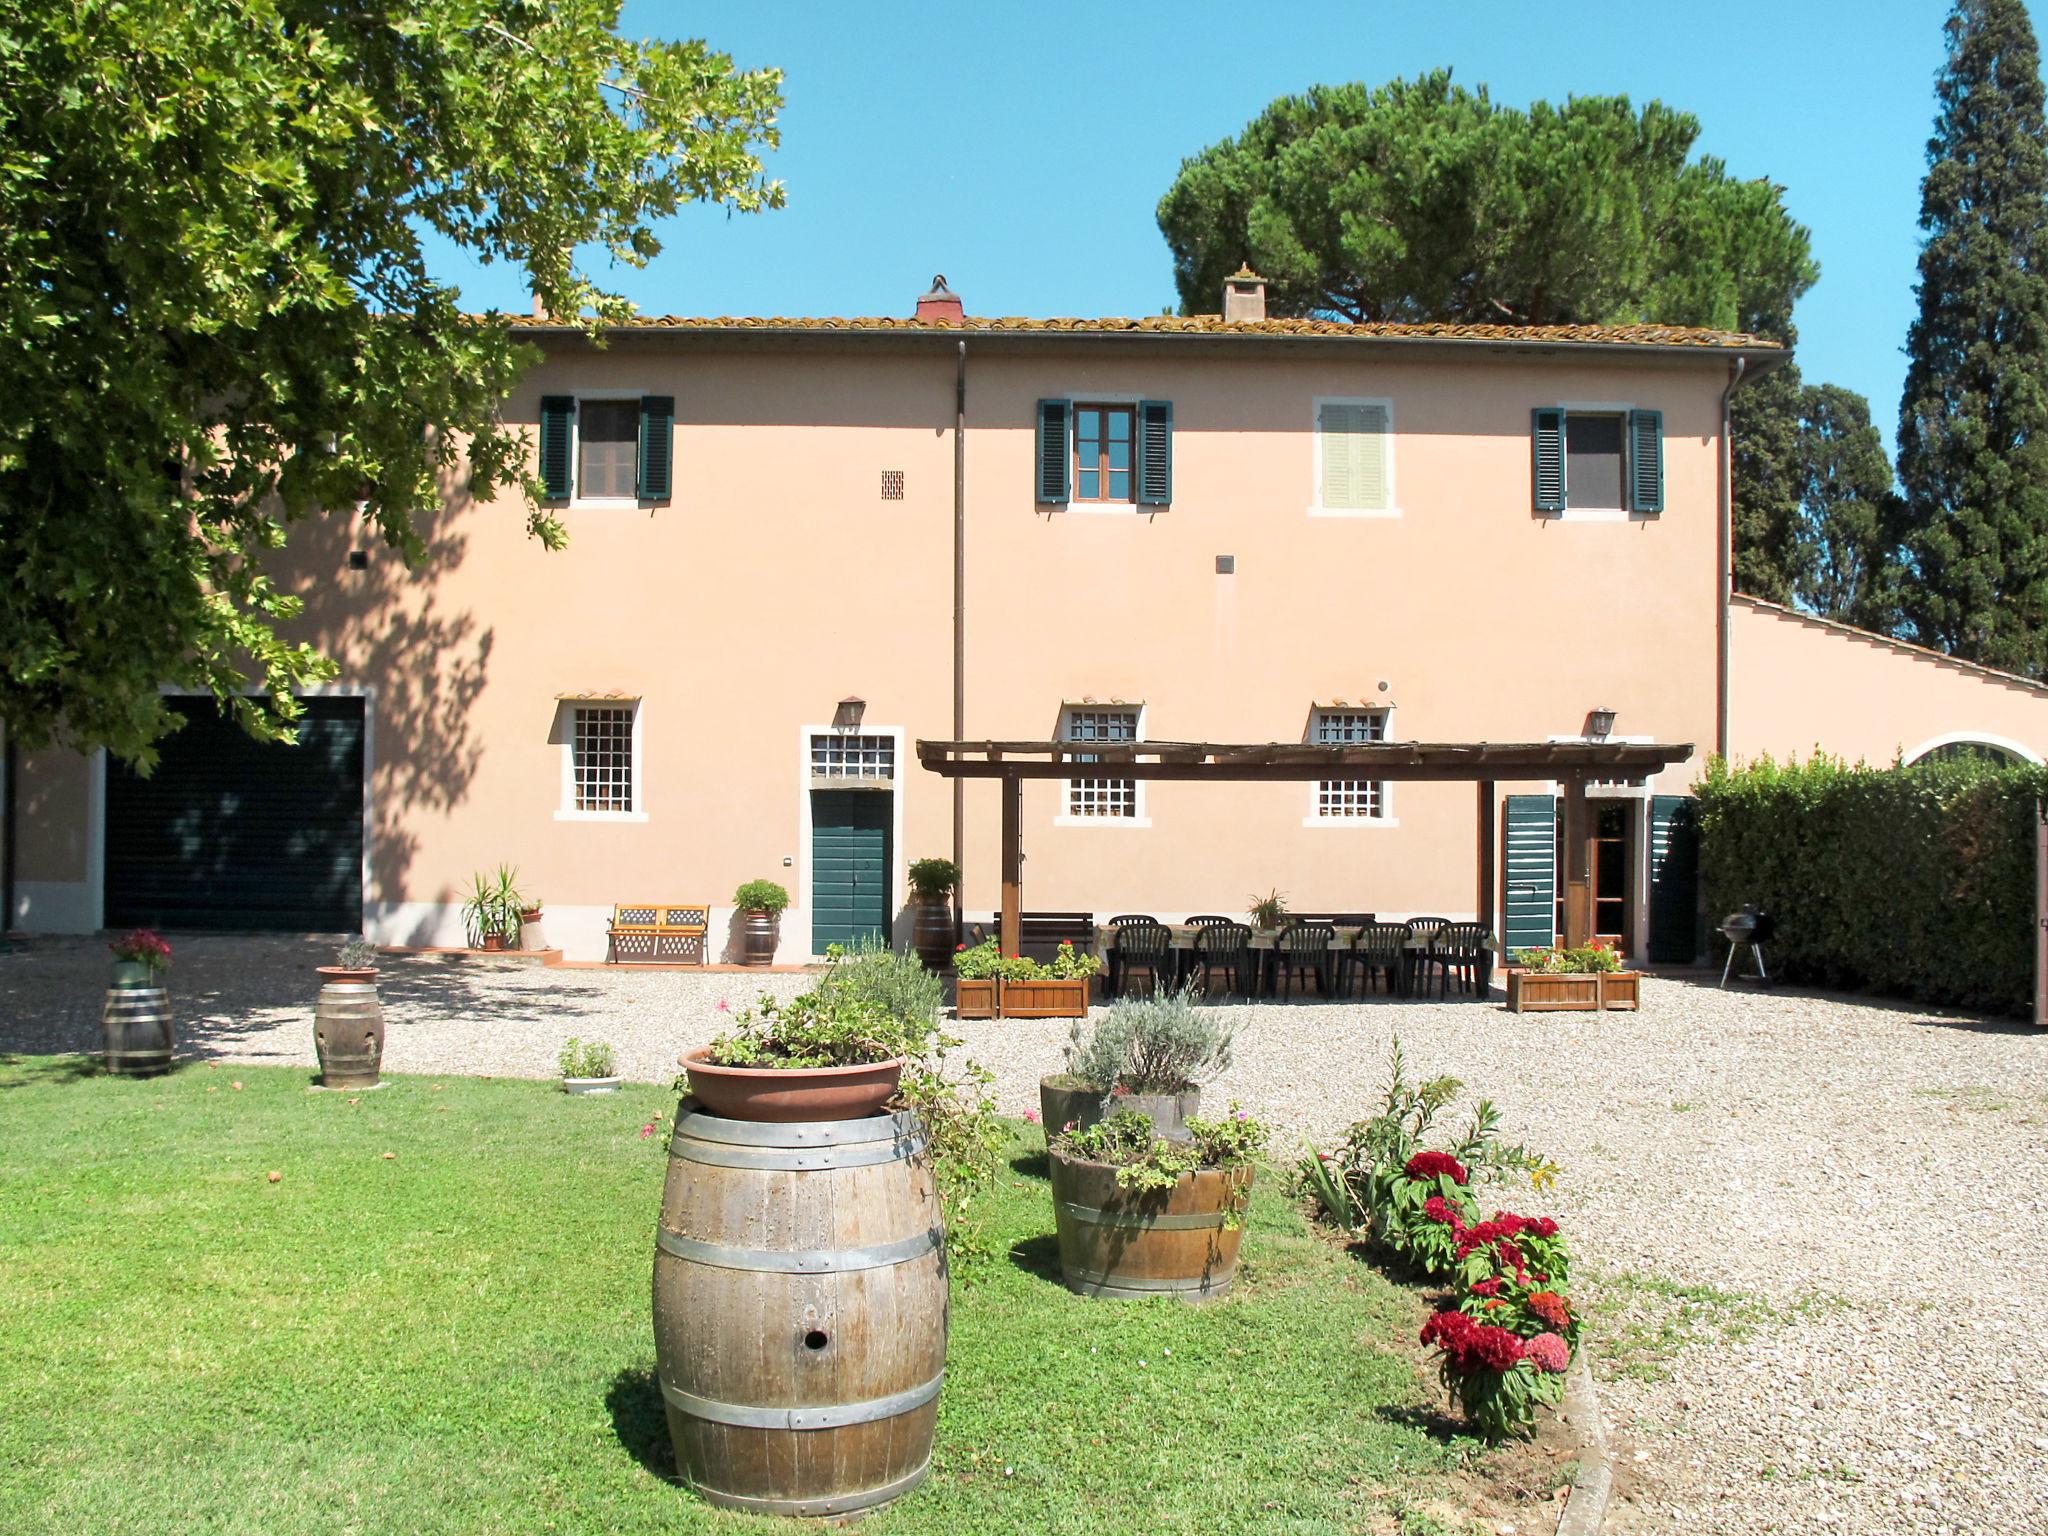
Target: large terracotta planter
1064, 1099
1044, 999
974, 998
1139, 1244
785, 1096
757, 939
931, 933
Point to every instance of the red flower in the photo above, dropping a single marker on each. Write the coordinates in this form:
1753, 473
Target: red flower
1548, 1352
1551, 1307
1428, 1165
1486, 1288
1543, 1226
1437, 1208
1470, 1346
958, 947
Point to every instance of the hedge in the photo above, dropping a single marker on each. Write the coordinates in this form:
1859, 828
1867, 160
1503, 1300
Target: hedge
1916, 881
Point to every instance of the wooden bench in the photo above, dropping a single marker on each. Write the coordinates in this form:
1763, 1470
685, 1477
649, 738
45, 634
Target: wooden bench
653, 930
1040, 934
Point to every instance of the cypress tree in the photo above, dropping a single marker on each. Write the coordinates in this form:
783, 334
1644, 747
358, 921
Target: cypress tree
1973, 427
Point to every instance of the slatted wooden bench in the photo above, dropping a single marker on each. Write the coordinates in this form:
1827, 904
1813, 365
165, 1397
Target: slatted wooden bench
1040, 934
653, 930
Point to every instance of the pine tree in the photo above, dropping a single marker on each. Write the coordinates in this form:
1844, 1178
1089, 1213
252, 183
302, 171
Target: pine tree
1973, 427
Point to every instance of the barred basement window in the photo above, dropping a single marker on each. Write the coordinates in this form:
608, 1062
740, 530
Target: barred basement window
1340, 799
603, 762
845, 755
1100, 797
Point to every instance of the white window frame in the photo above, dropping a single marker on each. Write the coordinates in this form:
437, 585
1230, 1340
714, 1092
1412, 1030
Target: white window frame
1621, 514
578, 499
1315, 816
1315, 506
1140, 814
565, 726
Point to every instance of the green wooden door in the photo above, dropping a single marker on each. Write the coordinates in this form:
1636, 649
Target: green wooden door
849, 866
1529, 894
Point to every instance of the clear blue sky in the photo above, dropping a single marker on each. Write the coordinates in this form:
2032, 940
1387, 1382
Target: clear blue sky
1021, 149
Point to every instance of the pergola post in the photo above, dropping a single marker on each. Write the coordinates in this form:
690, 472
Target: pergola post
1012, 925
1578, 863
1488, 858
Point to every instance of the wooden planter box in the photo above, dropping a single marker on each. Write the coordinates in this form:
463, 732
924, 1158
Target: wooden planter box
1047, 999
974, 999
1588, 991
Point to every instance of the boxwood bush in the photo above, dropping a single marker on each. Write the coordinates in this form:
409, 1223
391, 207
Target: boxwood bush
1917, 881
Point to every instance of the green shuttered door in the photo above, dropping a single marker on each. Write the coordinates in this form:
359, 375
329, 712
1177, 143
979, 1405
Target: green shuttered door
850, 864
1674, 880
1529, 904
238, 835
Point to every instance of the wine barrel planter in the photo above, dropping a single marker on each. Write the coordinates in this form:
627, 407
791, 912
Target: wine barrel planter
348, 1031
135, 1024
800, 1310
932, 934
758, 939
1064, 1099
1135, 1244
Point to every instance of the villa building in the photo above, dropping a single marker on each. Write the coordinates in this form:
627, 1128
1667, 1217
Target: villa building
1209, 529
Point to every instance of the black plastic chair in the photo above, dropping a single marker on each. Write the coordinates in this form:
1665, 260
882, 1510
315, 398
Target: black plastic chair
1198, 923
1227, 947
1304, 950
1109, 962
1424, 930
1462, 952
1146, 946
1378, 952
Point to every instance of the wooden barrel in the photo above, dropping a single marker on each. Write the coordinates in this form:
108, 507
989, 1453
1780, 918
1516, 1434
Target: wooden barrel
348, 1032
800, 1310
932, 934
136, 1024
1116, 1242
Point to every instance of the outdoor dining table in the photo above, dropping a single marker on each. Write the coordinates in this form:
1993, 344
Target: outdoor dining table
1268, 939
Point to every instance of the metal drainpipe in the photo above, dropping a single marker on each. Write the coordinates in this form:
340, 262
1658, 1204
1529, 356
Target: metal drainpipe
959, 625
1724, 574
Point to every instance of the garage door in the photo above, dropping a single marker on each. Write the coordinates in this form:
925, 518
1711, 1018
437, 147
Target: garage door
236, 834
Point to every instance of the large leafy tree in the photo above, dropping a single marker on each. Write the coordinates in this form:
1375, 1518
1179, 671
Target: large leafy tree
217, 314
1973, 427
1847, 523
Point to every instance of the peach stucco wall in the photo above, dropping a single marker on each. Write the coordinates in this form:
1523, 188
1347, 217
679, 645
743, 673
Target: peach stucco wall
1797, 684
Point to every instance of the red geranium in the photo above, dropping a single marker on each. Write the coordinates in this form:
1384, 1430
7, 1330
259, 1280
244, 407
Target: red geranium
1428, 1165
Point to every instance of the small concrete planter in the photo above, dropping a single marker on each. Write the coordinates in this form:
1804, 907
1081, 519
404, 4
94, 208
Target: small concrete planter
591, 1084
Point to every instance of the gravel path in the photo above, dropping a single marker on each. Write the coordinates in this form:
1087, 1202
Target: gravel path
1810, 1225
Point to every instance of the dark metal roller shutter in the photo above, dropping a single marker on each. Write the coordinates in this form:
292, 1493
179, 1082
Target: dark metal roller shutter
238, 835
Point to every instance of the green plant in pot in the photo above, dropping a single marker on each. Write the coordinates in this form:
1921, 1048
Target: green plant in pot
140, 958
827, 1054
1267, 911
932, 883
490, 917
1147, 1055
762, 903
588, 1066
348, 1024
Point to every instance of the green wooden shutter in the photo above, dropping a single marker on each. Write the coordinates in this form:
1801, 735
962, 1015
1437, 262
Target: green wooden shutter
1055, 454
556, 414
1546, 434
1674, 879
1155, 453
657, 445
1529, 906
1646, 461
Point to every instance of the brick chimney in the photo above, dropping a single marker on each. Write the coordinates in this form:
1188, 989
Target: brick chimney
942, 303
1244, 295
540, 307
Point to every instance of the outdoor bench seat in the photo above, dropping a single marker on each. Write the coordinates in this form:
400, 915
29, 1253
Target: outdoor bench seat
658, 930
1040, 934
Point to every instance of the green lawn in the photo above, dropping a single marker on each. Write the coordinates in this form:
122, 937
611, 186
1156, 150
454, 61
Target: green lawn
456, 1339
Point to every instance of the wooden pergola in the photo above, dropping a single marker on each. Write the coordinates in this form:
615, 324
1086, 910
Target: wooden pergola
1572, 764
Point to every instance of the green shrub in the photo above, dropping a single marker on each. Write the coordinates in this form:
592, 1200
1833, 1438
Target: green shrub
761, 896
933, 879
586, 1058
1157, 1044
1917, 881
872, 973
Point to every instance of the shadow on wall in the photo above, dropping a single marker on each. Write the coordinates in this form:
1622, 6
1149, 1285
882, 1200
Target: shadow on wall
386, 627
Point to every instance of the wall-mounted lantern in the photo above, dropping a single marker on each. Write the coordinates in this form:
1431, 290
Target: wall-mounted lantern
1599, 724
846, 717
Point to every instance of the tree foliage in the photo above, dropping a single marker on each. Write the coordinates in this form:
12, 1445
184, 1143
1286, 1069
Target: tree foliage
217, 315
1973, 428
1421, 200
1848, 513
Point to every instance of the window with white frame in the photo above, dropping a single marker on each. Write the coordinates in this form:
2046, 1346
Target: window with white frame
1100, 797
1350, 799
849, 755
1354, 456
602, 773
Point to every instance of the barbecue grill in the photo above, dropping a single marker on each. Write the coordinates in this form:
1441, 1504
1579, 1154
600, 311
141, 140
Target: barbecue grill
1747, 927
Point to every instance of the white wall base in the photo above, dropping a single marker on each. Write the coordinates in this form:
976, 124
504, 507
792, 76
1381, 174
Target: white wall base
579, 932
56, 906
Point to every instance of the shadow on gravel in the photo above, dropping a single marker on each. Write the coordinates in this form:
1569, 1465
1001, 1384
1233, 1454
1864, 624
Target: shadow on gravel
1981, 1026
641, 1422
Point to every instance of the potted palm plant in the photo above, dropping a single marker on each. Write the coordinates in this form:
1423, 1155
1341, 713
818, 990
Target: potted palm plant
490, 917
763, 902
588, 1066
828, 1054
932, 882
1267, 911
1145, 1054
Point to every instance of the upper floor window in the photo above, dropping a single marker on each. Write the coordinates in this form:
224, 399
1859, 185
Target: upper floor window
1100, 797
1350, 799
607, 448
1354, 458
601, 759
1102, 452
1602, 460
1097, 453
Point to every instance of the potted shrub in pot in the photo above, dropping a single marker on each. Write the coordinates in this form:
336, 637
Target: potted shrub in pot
348, 1024
1146, 1054
490, 918
1141, 1217
829, 1054
763, 902
135, 1020
1267, 911
355, 961
588, 1066
1589, 977
140, 958
1055, 991
932, 930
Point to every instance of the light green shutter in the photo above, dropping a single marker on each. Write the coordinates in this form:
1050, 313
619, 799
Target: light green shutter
1155, 453
1355, 443
1674, 879
1055, 453
657, 445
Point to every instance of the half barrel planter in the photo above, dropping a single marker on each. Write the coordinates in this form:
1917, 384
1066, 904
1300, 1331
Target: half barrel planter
800, 1310
1064, 1100
135, 1022
348, 1028
1137, 1244
1045, 998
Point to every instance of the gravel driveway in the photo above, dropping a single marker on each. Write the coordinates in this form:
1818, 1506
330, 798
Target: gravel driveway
1811, 1226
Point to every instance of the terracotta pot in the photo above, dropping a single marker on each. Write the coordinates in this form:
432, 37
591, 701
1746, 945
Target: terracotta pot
1063, 1097
789, 1095
367, 973
758, 939
494, 943
931, 933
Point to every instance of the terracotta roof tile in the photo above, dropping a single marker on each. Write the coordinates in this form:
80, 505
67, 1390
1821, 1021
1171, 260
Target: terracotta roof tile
1212, 325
